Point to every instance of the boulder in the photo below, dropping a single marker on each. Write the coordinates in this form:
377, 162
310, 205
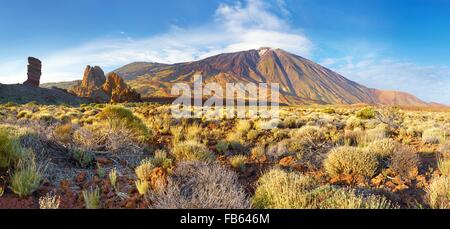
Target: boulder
103, 89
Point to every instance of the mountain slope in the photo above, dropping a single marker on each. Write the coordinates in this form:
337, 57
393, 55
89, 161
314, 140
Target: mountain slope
301, 81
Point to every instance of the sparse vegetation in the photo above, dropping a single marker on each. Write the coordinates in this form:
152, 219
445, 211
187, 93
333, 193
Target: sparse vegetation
314, 157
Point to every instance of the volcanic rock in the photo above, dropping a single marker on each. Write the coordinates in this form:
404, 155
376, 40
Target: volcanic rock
104, 89
119, 91
34, 72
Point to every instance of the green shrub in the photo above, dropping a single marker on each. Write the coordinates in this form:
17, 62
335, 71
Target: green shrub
222, 147
238, 162
192, 151
63, 133
366, 113
351, 160
9, 149
382, 148
24, 114
278, 189
27, 177
433, 136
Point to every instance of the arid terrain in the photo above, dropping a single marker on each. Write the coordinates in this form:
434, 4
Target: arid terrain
135, 155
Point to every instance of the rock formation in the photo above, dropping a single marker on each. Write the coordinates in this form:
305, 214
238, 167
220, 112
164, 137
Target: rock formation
101, 89
119, 91
34, 72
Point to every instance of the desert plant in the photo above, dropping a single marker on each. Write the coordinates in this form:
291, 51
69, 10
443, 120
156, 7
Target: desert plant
92, 199
222, 147
49, 201
351, 160
199, 185
63, 133
438, 193
252, 135
238, 162
120, 119
113, 179
82, 157
160, 159
330, 197
178, 134
444, 166
27, 176
259, 153
24, 114
243, 126
382, 148
278, 189
142, 186
100, 171
354, 122
9, 149
194, 132
433, 136
366, 113
144, 170
192, 151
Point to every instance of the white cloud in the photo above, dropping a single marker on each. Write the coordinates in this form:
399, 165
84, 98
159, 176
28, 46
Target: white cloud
238, 26
430, 83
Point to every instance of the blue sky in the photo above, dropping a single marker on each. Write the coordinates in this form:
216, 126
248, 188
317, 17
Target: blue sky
386, 44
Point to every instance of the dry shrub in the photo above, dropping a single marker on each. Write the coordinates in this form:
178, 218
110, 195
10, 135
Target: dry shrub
366, 113
121, 129
27, 176
278, 189
351, 160
199, 185
192, 151
9, 149
444, 166
438, 193
404, 160
243, 126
